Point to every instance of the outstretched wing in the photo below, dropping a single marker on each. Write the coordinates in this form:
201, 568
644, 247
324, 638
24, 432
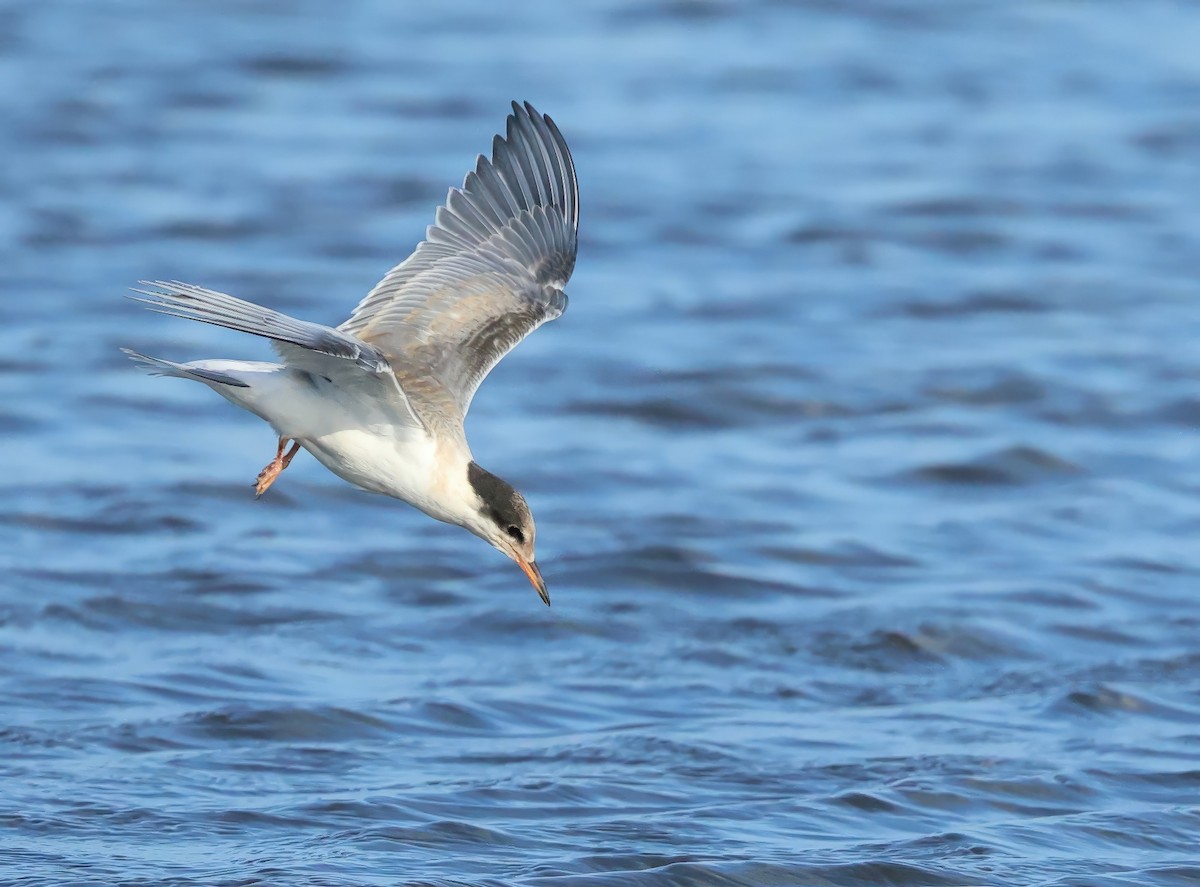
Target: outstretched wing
491, 268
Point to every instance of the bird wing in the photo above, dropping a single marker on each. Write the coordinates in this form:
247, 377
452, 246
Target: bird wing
491, 268
308, 347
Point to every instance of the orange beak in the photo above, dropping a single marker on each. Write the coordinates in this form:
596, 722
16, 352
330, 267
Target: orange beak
535, 576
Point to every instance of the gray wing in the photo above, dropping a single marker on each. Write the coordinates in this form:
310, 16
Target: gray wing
310, 347
491, 268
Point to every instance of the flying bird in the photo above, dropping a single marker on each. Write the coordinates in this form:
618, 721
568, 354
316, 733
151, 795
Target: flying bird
380, 400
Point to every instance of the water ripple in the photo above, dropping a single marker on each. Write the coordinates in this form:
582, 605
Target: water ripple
863, 460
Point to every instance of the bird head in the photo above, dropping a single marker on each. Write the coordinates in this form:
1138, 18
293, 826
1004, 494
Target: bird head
502, 519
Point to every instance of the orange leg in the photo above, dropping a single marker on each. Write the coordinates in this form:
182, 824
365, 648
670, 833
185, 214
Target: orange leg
282, 460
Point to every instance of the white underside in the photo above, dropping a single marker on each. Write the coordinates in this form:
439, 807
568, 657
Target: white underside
358, 437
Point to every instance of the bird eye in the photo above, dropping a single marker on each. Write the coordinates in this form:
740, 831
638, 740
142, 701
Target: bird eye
515, 533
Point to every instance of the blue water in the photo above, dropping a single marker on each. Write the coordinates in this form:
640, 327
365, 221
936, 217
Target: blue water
864, 461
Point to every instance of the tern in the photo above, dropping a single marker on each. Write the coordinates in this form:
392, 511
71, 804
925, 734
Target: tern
380, 400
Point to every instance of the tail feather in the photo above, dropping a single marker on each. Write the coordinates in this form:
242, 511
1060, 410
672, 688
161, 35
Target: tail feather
208, 306
156, 366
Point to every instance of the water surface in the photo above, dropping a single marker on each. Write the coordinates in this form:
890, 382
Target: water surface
864, 460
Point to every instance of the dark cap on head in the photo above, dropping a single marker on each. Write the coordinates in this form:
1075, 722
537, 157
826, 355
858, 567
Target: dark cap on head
502, 504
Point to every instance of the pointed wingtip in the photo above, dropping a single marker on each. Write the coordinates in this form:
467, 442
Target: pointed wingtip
526, 109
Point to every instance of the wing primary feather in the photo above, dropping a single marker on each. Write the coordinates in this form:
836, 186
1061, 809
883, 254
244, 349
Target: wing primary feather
545, 140
474, 186
533, 234
536, 152
570, 182
472, 215
506, 204
507, 164
523, 159
450, 228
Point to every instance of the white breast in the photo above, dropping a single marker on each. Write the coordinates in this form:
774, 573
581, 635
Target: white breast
363, 442
394, 461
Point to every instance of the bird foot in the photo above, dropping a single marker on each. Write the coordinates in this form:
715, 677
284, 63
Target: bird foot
267, 476
282, 460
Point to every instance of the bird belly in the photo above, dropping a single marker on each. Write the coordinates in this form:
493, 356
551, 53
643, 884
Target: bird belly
354, 436
398, 462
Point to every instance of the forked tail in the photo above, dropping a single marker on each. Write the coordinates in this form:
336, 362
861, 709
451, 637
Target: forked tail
156, 366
